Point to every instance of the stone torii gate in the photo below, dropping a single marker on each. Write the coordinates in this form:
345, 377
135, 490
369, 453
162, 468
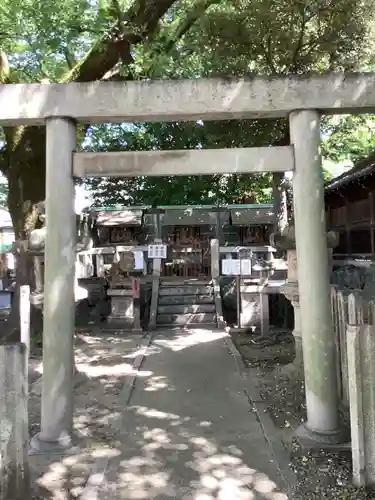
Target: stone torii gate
303, 99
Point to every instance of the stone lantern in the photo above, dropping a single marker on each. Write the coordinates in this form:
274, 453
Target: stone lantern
286, 240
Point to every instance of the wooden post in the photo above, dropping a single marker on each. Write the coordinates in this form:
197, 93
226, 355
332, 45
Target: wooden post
347, 228
215, 259
136, 293
25, 324
156, 271
25, 315
100, 266
14, 466
372, 220
238, 291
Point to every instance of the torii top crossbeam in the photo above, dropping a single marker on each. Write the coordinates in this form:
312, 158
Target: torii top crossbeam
173, 100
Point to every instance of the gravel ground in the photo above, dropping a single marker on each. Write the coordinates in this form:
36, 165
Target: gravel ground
279, 375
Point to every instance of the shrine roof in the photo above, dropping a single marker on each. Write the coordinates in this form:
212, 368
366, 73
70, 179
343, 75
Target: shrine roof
235, 214
362, 169
111, 208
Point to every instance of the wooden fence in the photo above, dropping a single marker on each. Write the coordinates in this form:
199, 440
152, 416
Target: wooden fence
14, 462
354, 322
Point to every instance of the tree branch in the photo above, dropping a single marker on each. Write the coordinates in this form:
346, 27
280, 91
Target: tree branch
117, 10
4, 68
172, 33
268, 53
181, 26
298, 48
139, 21
69, 57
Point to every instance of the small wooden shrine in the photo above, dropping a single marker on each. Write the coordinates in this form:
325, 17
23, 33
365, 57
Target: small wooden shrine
187, 230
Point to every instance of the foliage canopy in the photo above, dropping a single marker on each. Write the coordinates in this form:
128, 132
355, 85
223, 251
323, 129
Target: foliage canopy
81, 40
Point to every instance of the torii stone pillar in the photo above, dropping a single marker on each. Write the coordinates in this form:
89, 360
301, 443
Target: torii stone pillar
59, 307
318, 341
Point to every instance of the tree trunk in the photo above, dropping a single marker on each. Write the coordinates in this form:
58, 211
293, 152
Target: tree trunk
26, 175
26, 184
280, 202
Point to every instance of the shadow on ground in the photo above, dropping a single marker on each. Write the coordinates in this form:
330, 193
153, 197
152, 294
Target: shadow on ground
188, 431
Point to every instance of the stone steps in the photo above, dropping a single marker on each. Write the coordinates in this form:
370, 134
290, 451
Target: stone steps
186, 303
186, 308
185, 319
185, 299
185, 290
184, 282
189, 326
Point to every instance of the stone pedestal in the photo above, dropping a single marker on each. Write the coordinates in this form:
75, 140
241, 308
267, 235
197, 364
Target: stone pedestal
122, 308
290, 291
254, 308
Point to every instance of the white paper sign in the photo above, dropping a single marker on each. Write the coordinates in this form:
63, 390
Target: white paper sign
231, 267
245, 267
139, 260
236, 267
157, 251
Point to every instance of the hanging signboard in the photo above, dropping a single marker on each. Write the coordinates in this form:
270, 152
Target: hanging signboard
236, 267
157, 251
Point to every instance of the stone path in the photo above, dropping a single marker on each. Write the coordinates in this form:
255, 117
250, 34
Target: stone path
188, 430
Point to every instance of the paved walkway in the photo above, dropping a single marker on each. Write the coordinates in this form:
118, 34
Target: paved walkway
189, 431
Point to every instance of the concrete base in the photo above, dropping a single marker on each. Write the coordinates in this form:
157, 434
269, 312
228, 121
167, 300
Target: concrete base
120, 321
236, 329
120, 329
338, 439
111, 329
67, 444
